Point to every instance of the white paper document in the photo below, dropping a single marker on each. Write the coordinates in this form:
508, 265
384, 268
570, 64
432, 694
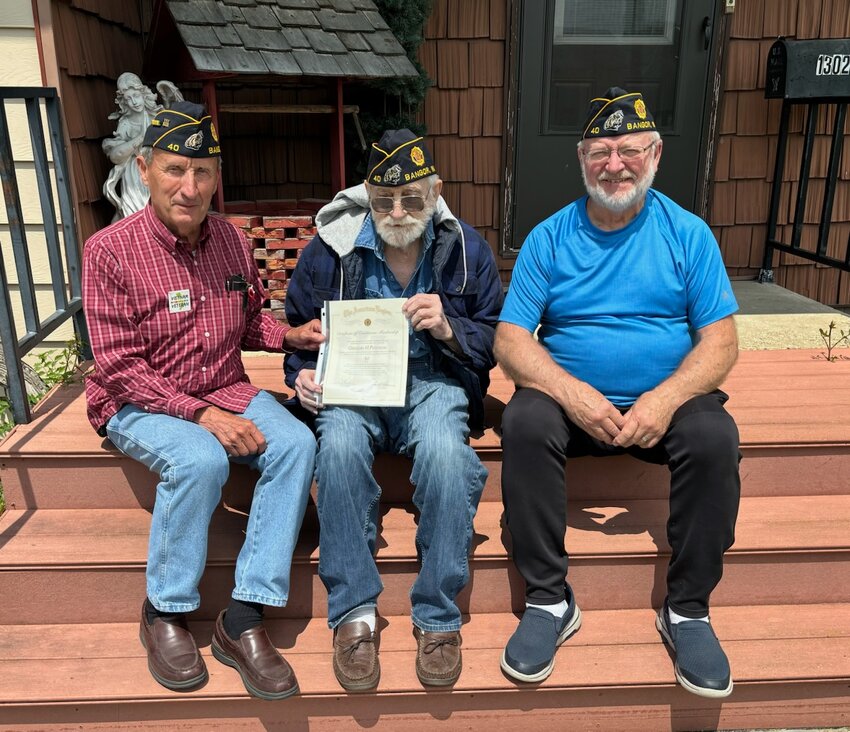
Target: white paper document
363, 361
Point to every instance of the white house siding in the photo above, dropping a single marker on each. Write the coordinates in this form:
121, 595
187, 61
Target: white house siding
19, 66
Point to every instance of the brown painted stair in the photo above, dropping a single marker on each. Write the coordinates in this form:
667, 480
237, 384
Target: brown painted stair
73, 545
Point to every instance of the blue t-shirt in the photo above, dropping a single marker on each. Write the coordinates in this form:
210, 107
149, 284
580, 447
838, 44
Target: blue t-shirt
617, 309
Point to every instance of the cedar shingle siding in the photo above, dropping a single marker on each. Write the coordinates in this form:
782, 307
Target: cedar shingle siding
465, 52
746, 149
95, 41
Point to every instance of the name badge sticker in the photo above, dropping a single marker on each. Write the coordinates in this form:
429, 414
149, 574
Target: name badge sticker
179, 301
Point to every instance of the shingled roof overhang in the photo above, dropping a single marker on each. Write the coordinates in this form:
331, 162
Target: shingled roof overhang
214, 39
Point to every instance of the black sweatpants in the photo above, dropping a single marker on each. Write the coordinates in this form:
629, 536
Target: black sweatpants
701, 451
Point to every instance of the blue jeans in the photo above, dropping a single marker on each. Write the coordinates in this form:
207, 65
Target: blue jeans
448, 478
193, 467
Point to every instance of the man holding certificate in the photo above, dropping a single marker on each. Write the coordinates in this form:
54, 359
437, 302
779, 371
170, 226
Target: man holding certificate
386, 247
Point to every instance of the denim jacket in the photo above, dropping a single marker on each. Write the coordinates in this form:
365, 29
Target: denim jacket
465, 277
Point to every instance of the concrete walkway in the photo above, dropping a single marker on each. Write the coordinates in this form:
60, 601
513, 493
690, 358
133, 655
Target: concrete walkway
772, 317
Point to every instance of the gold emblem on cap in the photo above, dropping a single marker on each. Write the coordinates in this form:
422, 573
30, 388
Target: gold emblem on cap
417, 156
640, 108
213, 132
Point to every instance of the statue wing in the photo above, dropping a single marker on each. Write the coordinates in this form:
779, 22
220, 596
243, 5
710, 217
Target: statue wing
168, 93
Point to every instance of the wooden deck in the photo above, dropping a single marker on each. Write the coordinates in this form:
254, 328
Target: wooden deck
790, 397
74, 540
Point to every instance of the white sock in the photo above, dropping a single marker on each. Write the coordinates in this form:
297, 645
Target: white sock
676, 618
365, 614
558, 609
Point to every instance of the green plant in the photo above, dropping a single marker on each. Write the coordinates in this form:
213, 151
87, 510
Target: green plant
56, 366
830, 344
60, 366
6, 421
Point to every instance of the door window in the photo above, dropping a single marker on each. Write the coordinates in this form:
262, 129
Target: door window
633, 21
633, 41
572, 51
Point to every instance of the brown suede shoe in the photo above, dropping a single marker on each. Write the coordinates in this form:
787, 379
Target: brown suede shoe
438, 659
265, 673
173, 657
356, 664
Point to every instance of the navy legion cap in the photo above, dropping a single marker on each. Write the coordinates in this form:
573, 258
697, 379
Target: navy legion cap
398, 158
185, 129
617, 112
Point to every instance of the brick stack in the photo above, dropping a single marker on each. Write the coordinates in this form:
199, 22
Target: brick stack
277, 242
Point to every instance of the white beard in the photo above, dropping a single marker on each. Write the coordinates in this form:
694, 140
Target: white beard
623, 201
400, 234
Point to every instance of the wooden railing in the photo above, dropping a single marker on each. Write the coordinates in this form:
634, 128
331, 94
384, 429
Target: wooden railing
65, 279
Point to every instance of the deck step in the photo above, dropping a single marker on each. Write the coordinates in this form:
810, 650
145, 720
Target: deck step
73, 549
793, 445
776, 652
107, 479
787, 549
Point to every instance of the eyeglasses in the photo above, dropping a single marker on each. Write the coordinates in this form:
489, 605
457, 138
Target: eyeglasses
385, 204
598, 154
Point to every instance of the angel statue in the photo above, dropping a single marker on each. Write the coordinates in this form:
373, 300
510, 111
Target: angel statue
137, 106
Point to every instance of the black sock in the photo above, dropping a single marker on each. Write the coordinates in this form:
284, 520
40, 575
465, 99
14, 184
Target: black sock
242, 616
151, 613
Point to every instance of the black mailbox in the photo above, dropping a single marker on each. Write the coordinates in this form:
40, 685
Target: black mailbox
817, 69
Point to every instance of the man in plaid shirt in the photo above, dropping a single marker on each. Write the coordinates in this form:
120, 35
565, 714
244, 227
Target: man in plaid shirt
171, 297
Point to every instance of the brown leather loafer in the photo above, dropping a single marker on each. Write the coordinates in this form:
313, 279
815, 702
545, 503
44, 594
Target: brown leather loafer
265, 673
173, 657
438, 659
356, 664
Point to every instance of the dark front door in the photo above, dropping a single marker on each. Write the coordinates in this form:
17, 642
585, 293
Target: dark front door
572, 51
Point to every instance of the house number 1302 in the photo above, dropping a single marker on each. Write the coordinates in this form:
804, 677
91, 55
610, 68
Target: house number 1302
836, 64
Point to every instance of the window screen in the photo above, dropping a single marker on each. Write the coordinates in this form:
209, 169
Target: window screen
614, 21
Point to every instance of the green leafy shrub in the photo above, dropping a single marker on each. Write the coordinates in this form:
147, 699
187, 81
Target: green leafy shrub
60, 366
56, 366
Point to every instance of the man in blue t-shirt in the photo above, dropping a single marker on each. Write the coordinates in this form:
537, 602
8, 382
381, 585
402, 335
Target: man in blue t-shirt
635, 336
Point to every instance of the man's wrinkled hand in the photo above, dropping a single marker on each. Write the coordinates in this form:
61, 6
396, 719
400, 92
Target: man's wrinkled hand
591, 411
425, 312
647, 421
306, 389
307, 337
238, 436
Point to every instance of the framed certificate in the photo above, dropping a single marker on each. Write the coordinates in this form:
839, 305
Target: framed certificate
363, 361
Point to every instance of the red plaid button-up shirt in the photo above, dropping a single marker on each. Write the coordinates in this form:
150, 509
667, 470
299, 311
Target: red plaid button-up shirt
165, 333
